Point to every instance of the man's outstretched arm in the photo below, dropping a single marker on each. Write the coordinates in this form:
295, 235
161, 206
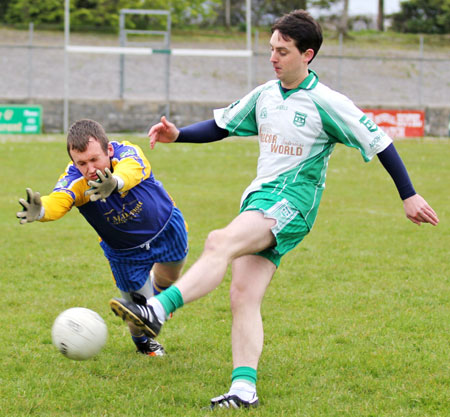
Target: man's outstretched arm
416, 208
201, 132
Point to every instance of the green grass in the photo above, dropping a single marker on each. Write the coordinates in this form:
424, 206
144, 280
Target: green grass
356, 318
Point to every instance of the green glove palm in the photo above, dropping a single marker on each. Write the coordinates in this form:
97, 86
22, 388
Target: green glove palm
31, 208
102, 188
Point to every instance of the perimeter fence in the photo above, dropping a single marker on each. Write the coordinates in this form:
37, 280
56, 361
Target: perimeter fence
36, 68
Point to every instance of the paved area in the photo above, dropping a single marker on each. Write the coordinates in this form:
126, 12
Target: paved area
372, 76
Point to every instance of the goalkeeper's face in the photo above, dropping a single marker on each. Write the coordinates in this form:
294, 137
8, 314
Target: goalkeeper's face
92, 159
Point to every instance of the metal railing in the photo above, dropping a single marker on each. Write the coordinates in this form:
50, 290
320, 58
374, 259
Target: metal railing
33, 71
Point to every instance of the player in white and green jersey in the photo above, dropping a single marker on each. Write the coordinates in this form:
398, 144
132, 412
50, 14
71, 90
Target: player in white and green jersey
298, 129
298, 122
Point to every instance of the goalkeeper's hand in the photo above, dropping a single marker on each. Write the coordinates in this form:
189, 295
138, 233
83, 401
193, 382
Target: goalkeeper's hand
102, 188
31, 208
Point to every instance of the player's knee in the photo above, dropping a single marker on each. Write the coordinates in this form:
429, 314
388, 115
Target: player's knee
216, 241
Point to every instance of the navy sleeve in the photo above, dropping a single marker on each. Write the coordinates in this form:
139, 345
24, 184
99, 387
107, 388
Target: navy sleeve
393, 164
202, 132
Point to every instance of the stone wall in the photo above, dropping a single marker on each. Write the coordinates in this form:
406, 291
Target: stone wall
138, 116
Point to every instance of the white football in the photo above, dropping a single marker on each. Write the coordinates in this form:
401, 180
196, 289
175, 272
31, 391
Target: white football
79, 333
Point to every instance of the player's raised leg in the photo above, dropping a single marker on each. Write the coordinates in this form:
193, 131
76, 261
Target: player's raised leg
248, 233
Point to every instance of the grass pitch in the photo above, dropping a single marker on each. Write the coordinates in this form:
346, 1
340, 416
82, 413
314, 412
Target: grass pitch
356, 318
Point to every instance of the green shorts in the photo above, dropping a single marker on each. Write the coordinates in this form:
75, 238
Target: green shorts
290, 227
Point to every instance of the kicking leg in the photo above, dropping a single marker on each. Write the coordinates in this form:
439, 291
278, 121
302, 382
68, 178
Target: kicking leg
248, 233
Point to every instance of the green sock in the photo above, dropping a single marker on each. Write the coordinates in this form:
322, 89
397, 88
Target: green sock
244, 372
171, 299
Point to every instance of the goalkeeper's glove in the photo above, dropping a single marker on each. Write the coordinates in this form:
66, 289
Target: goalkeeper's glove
31, 208
102, 188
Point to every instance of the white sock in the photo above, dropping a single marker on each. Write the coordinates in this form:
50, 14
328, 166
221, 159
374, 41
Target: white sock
158, 309
244, 389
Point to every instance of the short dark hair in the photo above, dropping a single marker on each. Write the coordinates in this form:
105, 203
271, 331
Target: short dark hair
80, 133
301, 27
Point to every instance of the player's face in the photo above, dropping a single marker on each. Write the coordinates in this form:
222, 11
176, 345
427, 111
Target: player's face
93, 158
290, 65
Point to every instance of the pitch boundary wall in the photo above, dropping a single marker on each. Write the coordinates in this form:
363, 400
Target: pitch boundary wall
139, 115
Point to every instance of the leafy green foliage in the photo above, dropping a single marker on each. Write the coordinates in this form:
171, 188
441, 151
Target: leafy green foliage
38, 12
423, 16
105, 13
3, 7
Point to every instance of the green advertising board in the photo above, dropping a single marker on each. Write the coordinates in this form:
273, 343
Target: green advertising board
20, 119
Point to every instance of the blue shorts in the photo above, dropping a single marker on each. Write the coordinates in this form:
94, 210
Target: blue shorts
131, 268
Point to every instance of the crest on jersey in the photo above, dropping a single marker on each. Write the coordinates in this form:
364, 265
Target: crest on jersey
62, 183
299, 119
263, 113
128, 212
370, 125
128, 152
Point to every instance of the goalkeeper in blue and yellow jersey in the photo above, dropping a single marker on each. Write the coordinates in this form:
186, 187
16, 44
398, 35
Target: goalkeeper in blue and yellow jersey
142, 234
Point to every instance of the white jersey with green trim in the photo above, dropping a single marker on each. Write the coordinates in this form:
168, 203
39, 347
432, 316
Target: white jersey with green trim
297, 132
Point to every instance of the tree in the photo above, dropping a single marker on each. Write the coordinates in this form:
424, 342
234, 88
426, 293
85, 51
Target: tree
423, 16
3, 8
380, 16
339, 18
232, 12
227, 13
343, 23
26, 11
105, 13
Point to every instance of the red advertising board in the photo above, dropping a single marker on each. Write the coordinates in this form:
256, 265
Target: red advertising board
399, 123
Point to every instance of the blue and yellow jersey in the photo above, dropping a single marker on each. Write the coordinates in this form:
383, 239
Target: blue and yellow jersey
128, 218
